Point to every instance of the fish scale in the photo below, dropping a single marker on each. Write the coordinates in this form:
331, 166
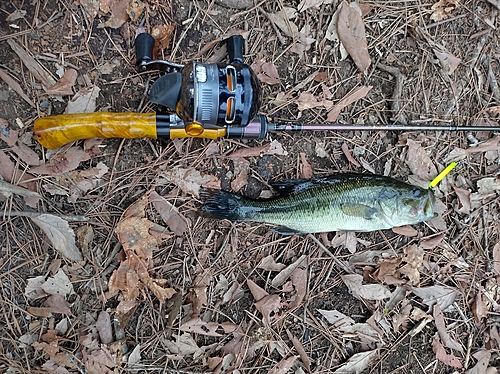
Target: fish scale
348, 202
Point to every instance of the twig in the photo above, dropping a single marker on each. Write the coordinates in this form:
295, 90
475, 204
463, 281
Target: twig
396, 105
37, 214
340, 263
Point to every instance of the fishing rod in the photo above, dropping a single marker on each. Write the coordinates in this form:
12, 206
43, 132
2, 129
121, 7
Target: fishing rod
219, 100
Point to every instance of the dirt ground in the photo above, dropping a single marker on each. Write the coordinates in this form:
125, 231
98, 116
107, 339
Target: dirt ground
106, 265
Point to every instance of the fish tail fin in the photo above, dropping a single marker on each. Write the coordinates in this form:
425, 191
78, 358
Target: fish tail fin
221, 205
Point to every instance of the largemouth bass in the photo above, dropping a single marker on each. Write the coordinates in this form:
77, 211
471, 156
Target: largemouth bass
341, 202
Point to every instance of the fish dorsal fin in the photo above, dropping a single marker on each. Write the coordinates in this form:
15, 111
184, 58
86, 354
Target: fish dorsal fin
358, 210
293, 186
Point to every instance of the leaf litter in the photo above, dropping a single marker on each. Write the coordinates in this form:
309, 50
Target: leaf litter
211, 266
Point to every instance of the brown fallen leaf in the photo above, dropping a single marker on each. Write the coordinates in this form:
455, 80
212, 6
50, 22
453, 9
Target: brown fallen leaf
91, 7
198, 326
119, 15
268, 306
348, 155
463, 195
441, 295
419, 161
351, 32
169, 213
84, 101
58, 304
38, 311
300, 350
365, 291
443, 333
189, 180
32, 65
103, 327
299, 281
241, 170
284, 365
441, 355
62, 162
64, 86
135, 9
306, 170
162, 35
268, 263
405, 230
414, 256
353, 96
12, 83
358, 362
443, 9
496, 259
266, 72
60, 235
431, 243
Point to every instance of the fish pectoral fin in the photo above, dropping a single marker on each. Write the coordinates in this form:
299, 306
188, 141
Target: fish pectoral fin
283, 230
358, 210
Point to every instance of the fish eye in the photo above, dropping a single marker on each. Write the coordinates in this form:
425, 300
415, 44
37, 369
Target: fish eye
416, 192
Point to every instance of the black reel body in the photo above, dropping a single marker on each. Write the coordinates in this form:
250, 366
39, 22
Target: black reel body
207, 94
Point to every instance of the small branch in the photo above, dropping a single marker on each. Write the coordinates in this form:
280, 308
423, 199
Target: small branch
340, 263
37, 214
396, 105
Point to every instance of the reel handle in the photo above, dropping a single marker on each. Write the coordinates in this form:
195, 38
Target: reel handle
235, 46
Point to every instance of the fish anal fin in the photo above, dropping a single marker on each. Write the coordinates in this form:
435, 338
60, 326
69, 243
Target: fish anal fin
283, 230
358, 210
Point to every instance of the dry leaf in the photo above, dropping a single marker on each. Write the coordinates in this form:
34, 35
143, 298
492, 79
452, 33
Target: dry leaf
91, 7
432, 243
119, 15
169, 213
135, 9
162, 35
306, 170
16, 15
355, 95
496, 258
34, 287
351, 32
299, 281
266, 72
58, 304
190, 180
32, 65
258, 292
241, 170
62, 162
483, 357
463, 195
39, 312
300, 350
449, 62
100, 361
61, 236
441, 295
103, 326
365, 291
64, 86
419, 161
135, 356
284, 365
488, 185
443, 333
284, 274
441, 355
58, 284
349, 156
306, 4
405, 230
197, 326
268, 263
442, 9
414, 259
357, 363
273, 148
12, 83
267, 306
84, 101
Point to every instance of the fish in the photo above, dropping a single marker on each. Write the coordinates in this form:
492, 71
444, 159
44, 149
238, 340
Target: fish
339, 202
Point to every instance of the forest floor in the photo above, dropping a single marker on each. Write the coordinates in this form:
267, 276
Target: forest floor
106, 265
